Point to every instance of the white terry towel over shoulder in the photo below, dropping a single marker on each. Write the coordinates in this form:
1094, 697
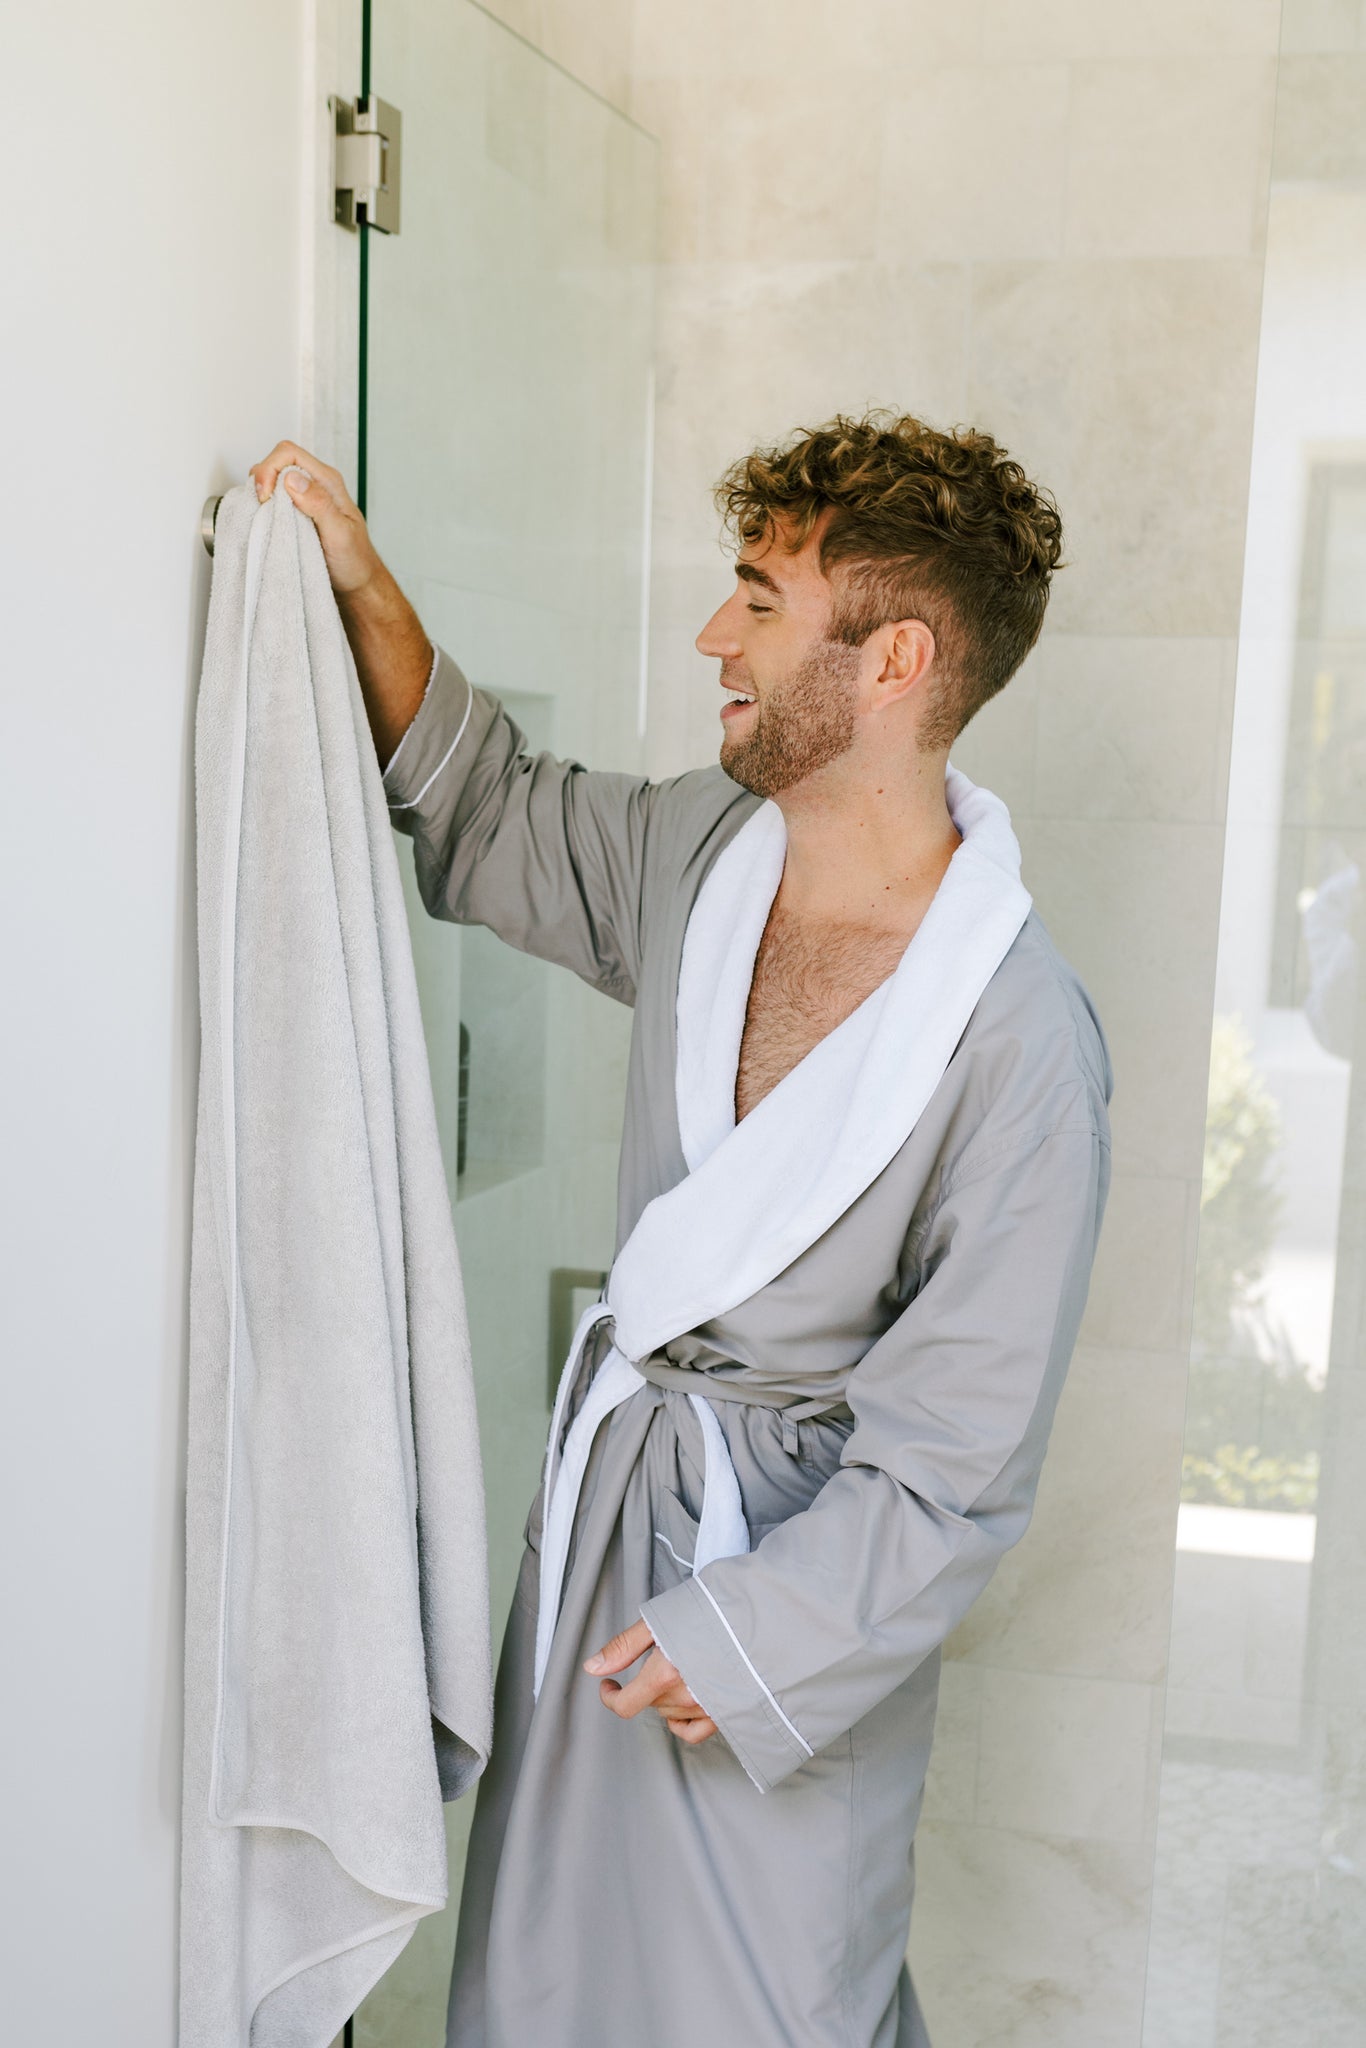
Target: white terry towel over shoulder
337, 1652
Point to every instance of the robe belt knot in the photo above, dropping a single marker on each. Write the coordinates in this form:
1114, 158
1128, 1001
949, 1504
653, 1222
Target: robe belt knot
661, 1373
722, 1530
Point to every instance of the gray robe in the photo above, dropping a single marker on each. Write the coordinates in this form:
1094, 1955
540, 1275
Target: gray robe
757, 1888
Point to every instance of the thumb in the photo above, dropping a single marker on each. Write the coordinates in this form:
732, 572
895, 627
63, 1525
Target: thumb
624, 1649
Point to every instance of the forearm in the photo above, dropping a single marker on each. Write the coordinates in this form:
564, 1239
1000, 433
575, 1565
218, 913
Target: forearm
392, 653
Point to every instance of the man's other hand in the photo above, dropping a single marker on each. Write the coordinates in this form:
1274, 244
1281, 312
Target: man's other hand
658, 1685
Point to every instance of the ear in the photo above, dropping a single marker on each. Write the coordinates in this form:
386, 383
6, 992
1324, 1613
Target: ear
906, 655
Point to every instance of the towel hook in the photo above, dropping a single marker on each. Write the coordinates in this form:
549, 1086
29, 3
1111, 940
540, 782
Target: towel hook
207, 520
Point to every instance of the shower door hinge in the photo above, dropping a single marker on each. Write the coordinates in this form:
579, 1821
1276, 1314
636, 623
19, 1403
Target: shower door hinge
367, 152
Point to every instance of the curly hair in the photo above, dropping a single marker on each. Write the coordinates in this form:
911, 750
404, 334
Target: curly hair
922, 524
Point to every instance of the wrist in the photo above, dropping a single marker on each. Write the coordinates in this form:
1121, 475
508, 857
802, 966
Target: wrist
373, 597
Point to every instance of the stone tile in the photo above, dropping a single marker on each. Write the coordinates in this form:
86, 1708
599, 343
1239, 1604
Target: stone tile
590, 38
1233, 1717
767, 39
1017, 1942
951, 1782
1073, 29
752, 352
1088, 1591
1138, 1299
1209, 1623
1065, 1756
1169, 159
1255, 1934
1135, 909
998, 747
823, 204
1127, 388
1132, 728
922, 33
1321, 117
1322, 25
1006, 194
1293, 1961
677, 111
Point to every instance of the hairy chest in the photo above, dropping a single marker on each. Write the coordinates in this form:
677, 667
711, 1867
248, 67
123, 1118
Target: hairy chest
807, 979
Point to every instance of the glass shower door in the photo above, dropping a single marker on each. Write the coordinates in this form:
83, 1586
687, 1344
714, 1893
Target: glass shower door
508, 453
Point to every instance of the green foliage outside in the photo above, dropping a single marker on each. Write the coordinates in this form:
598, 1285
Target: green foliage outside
1243, 1478
1253, 1419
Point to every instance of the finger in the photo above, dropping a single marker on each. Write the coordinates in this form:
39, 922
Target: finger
266, 474
633, 1642
693, 1732
626, 1701
308, 493
649, 1684
676, 1699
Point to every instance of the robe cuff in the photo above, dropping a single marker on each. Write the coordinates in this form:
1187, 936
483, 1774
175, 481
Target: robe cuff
690, 1627
440, 723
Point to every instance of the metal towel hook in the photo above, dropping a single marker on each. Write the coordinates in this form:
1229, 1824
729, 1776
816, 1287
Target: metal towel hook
207, 520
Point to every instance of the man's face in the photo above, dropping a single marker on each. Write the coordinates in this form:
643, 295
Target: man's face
801, 688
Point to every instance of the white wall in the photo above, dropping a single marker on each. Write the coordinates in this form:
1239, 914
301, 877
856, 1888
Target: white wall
149, 351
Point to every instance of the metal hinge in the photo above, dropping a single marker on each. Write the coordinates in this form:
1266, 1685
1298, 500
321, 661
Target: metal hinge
367, 158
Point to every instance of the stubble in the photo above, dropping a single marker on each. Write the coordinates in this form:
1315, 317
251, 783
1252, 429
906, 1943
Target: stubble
803, 724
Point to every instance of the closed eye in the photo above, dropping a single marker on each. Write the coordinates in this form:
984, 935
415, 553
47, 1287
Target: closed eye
759, 607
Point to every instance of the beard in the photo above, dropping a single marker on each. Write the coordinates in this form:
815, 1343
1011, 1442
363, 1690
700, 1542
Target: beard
805, 722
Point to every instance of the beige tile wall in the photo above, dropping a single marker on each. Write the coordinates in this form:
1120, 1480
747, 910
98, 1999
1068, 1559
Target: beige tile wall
1046, 220
590, 38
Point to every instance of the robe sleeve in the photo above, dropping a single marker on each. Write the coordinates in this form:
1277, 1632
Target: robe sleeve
788, 1646
547, 854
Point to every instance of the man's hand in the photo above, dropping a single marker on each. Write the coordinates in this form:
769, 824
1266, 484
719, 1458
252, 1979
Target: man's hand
658, 1685
347, 548
393, 656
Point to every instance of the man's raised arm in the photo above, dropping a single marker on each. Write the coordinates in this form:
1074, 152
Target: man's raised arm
392, 653
546, 854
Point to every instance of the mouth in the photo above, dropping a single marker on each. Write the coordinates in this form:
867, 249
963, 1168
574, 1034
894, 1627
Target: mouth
736, 705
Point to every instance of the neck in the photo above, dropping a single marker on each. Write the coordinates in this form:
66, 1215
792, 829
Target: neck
867, 850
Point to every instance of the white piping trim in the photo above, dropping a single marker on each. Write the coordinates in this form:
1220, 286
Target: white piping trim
686, 1563
795, 1732
615, 1381
412, 802
755, 1780
407, 734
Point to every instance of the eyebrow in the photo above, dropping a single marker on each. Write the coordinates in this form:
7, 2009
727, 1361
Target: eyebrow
748, 573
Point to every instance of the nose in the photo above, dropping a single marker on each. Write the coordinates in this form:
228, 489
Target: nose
718, 636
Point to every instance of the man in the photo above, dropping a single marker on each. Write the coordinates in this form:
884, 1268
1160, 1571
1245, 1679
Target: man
864, 1164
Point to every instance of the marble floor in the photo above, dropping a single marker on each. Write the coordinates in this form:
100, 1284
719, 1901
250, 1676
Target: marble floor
1258, 1936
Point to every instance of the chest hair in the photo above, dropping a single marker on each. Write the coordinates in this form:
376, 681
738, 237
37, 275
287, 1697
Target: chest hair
808, 978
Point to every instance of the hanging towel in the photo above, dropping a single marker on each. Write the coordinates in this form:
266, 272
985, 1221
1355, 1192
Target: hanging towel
337, 1648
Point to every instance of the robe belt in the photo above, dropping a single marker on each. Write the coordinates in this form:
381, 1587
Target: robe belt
687, 1380
722, 1530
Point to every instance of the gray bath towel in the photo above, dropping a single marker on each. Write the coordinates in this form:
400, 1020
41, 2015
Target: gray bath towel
337, 1648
